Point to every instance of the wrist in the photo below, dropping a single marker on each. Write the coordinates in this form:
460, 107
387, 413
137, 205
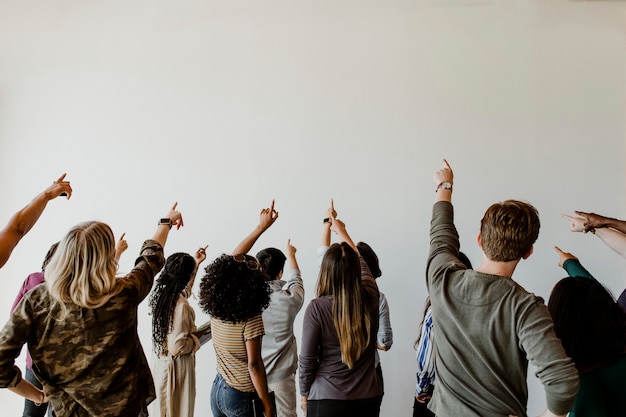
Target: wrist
444, 185
165, 221
41, 399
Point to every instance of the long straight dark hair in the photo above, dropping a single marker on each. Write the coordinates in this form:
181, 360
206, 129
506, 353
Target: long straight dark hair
590, 324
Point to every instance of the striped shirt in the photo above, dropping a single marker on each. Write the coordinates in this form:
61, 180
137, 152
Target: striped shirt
425, 359
229, 341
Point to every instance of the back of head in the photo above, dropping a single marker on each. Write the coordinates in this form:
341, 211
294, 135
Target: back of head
82, 271
49, 255
508, 230
171, 282
233, 288
340, 277
272, 261
590, 324
370, 258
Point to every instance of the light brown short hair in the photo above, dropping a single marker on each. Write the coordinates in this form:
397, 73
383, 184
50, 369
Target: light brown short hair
508, 230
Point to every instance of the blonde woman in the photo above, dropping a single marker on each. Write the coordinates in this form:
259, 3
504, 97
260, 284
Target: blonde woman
81, 327
337, 372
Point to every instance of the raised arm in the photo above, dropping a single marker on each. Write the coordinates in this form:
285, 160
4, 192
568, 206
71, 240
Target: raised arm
444, 178
173, 218
25, 219
290, 254
327, 222
571, 264
267, 218
339, 228
120, 247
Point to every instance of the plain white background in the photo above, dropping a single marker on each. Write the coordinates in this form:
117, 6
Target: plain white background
223, 106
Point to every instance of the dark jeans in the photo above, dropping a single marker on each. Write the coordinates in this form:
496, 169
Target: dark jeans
368, 407
420, 410
379, 373
30, 409
229, 402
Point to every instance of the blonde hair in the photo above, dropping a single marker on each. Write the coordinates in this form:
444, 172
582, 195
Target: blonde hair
340, 277
82, 271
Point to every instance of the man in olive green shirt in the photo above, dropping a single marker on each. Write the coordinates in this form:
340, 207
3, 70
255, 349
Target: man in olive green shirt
488, 326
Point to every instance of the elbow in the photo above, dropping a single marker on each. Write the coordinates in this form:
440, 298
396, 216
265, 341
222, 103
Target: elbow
256, 367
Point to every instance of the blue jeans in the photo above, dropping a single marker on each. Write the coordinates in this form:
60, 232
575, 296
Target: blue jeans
229, 402
30, 409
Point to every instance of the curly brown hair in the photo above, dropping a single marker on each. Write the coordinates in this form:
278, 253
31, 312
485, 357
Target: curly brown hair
234, 290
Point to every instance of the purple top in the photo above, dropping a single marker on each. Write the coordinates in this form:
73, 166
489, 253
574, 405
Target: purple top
323, 376
30, 282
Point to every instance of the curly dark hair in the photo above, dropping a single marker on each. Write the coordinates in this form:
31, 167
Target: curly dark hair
234, 290
173, 279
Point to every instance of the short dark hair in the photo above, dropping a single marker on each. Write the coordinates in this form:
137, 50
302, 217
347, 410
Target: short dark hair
370, 258
272, 261
234, 291
508, 230
590, 324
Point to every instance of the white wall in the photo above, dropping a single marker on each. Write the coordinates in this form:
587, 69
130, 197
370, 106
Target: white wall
223, 106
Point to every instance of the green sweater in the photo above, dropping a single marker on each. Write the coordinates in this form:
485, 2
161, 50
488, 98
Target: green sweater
488, 329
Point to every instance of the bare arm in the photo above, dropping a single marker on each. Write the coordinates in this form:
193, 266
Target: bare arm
25, 219
597, 221
614, 239
599, 225
257, 374
29, 391
120, 247
267, 218
325, 239
290, 253
163, 230
339, 227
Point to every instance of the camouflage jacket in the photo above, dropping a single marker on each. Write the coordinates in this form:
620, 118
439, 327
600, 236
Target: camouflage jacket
91, 363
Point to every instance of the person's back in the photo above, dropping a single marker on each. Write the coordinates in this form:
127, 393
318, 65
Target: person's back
279, 348
488, 326
582, 302
81, 327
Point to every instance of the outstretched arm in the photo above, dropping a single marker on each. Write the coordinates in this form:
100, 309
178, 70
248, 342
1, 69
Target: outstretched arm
571, 264
597, 221
267, 218
25, 219
614, 239
611, 236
